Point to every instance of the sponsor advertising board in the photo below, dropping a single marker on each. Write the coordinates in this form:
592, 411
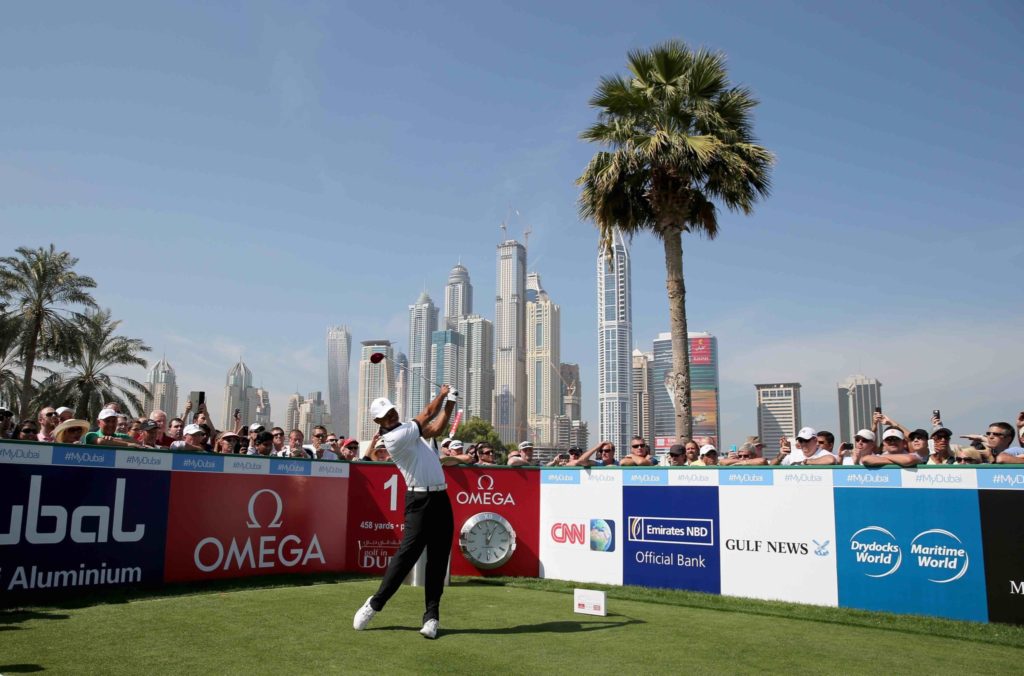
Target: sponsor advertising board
237, 525
700, 350
670, 533
1002, 535
580, 525
911, 551
67, 528
376, 517
778, 539
512, 494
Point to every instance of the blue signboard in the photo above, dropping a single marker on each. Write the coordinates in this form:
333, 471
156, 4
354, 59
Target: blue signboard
68, 528
670, 537
911, 551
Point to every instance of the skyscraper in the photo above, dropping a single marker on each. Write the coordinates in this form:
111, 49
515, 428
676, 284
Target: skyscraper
510, 343
401, 401
161, 390
261, 413
478, 354
458, 297
446, 359
778, 414
375, 380
292, 413
858, 397
312, 412
572, 391
239, 394
642, 396
339, 352
614, 345
704, 399
422, 324
543, 355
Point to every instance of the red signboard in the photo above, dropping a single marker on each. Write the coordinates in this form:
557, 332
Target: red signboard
232, 525
512, 494
376, 516
700, 350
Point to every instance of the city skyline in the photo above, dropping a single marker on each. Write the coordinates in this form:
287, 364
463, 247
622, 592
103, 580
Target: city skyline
615, 344
394, 195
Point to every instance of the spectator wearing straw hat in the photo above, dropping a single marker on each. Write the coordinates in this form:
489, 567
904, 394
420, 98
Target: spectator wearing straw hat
70, 431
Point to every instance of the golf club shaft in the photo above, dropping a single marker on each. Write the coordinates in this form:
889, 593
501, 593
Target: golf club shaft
405, 368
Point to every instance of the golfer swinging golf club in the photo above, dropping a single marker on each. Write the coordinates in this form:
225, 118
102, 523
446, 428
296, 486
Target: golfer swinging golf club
428, 511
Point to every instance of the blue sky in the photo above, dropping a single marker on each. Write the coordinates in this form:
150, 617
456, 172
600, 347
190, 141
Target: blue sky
238, 177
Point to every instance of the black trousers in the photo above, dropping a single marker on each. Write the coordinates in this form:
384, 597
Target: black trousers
428, 524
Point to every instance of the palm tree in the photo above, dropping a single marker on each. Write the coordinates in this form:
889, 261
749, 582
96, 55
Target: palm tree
38, 286
679, 139
10, 363
86, 386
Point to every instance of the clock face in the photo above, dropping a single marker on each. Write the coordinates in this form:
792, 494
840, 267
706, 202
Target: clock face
487, 540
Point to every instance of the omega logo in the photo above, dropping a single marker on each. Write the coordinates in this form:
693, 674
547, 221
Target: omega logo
276, 521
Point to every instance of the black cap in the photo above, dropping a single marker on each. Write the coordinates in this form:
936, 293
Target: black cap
575, 450
918, 434
147, 425
677, 449
941, 430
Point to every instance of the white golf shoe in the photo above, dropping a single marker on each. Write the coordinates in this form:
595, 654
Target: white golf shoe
429, 629
363, 616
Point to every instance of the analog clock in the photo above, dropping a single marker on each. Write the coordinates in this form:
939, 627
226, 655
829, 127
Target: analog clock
487, 540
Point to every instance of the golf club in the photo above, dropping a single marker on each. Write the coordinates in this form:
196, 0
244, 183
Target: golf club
378, 357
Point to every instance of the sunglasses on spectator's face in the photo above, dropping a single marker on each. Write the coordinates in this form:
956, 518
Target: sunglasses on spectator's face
330, 440
576, 453
990, 433
961, 459
486, 451
639, 445
860, 440
743, 456
29, 430
675, 455
607, 450
941, 437
51, 413
317, 434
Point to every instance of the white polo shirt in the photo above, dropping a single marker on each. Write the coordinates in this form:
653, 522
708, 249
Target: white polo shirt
797, 457
417, 461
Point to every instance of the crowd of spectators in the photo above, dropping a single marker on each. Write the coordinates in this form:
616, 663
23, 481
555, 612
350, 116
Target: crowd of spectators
887, 443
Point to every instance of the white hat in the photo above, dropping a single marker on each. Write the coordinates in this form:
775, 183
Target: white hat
806, 433
193, 429
865, 434
707, 448
379, 407
64, 409
455, 445
256, 427
525, 444
107, 413
446, 441
891, 433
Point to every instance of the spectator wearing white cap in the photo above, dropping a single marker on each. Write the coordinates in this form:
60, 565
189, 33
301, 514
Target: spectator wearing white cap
707, 456
456, 454
864, 444
429, 523
807, 451
107, 434
894, 451
65, 413
193, 439
523, 455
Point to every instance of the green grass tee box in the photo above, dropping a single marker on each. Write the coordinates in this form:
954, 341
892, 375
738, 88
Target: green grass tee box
494, 626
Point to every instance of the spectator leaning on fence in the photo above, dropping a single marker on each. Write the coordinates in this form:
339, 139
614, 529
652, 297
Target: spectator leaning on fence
745, 455
193, 439
894, 452
639, 454
107, 434
806, 453
70, 431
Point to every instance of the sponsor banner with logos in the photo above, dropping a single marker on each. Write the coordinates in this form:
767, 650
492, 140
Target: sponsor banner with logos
957, 478
510, 493
237, 525
580, 525
1006, 478
66, 529
778, 541
670, 536
1002, 535
860, 477
376, 517
911, 551
21, 453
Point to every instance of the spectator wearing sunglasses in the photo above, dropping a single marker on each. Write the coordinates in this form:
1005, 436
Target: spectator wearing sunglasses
639, 454
605, 452
485, 452
967, 456
747, 455
894, 452
48, 420
998, 439
28, 431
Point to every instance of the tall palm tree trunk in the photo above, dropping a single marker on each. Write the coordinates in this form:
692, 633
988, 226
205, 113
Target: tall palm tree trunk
30, 364
680, 375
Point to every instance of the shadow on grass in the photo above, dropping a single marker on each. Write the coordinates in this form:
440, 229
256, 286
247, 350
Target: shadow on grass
20, 668
562, 627
9, 620
113, 596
